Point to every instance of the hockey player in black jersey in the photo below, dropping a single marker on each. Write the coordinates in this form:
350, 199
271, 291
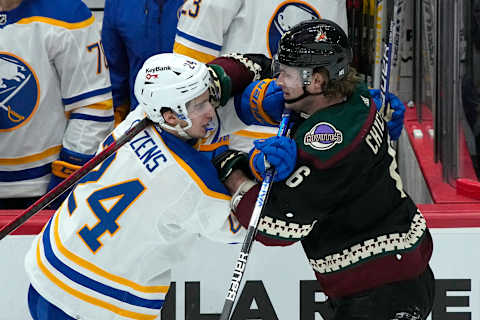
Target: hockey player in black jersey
365, 239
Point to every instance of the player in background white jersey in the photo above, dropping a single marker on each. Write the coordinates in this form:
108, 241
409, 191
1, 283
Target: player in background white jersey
55, 95
108, 250
209, 28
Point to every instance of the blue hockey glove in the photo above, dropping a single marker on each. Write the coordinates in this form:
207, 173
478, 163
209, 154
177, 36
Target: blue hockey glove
261, 103
280, 152
395, 125
68, 162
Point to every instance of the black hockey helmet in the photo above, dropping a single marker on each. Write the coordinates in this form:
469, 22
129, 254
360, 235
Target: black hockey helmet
316, 43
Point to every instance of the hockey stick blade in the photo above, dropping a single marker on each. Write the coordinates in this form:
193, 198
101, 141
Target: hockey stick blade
262, 198
73, 178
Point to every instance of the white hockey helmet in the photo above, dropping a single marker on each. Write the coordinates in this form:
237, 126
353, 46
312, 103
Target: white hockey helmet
170, 80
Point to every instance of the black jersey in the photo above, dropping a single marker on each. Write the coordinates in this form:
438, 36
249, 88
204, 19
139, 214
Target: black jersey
345, 202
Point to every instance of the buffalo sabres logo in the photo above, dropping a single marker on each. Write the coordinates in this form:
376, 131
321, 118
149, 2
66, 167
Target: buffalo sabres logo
287, 14
323, 136
18, 92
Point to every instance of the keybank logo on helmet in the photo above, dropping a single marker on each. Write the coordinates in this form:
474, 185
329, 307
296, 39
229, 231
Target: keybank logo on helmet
157, 69
323, 136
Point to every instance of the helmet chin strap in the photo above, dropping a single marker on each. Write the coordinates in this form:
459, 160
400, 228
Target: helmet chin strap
181, 131
305, 94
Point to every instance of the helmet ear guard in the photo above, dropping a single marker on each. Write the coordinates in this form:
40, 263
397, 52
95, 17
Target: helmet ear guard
170, 80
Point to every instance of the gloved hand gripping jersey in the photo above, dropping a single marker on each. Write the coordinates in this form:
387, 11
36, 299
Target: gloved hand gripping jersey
278, 151
228, 161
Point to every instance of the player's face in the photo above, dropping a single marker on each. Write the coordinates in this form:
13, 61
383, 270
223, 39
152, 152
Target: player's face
201, 113
293, 86
290, 81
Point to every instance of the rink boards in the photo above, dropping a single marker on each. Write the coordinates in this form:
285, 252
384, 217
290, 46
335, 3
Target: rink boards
278, 283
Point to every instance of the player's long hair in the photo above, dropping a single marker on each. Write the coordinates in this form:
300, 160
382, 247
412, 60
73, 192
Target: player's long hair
339, 88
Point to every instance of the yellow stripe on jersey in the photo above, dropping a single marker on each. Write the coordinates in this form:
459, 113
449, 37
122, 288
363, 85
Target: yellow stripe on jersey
31, 158
193, 175
253, 134
58, 23
212, 146
198, 55
103, 105
93, 268
199, 181
87, 298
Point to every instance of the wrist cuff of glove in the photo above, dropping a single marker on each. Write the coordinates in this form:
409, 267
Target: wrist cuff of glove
251, 165
73, 157
69, 161
237, 196
221, 82
63, 169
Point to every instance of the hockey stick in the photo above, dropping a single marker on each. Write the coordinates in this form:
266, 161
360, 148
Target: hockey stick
387, 60
397, 44
379, 31
73, 178
252, 229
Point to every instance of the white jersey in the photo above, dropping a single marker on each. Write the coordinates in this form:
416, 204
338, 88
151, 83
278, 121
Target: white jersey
142, 209
209, 28
54, 91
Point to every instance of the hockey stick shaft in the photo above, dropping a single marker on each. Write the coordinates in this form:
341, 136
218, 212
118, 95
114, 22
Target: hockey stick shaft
252, 229
73, 178
387, 59
385, 69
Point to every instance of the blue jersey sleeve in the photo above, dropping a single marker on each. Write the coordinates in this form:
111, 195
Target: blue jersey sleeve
116, 54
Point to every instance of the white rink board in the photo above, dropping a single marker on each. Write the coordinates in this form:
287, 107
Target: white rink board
95, 3
456, 264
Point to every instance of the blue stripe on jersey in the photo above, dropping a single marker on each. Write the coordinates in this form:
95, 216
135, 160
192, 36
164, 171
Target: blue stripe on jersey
85, 281
74, 157
26, 174
82, 116
215, 138
67, 101
201, 42
198, 162
70, 11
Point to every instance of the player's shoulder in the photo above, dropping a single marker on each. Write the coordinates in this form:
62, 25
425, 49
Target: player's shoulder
64, 13
332, 133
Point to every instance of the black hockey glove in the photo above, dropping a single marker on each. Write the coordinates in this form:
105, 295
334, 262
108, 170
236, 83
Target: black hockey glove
259, 64
264, 62
230, 160
231, 73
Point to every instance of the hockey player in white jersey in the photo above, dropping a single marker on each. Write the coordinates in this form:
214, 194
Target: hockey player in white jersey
55, 95
209, 28
108, 250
